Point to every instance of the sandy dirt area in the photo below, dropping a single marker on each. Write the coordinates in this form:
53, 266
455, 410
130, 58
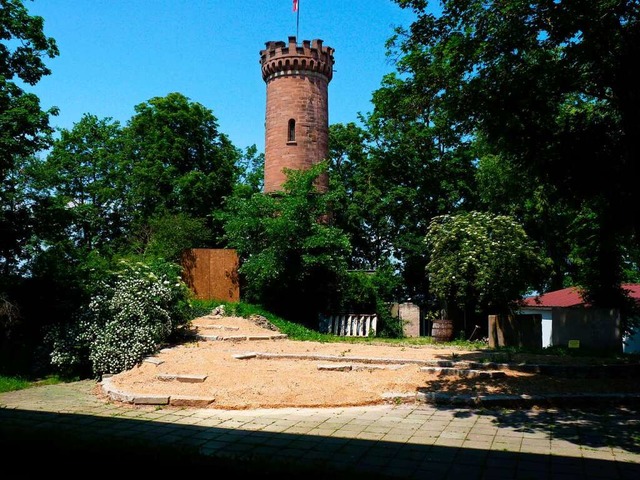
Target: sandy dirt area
246, 364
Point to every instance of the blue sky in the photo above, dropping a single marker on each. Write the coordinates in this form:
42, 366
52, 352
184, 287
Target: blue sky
116, 54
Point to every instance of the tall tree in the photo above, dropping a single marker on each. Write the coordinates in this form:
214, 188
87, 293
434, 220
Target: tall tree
504, 189
422, 168
80, 185
293, 259
179, 161
24, 126
24, 131
358, 197
75, 194
550, 86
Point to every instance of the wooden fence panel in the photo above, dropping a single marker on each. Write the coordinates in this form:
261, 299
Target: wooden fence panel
212, 274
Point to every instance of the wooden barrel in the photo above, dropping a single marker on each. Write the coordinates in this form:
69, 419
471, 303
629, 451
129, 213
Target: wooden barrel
442, 330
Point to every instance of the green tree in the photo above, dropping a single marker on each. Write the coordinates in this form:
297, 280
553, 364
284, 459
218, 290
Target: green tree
250, 172
24, 132
416, 168
293, 260
504, 189
169, 235
482, 262
550, 87
24, 126
80, 187
76, 196
358, 195
179, 162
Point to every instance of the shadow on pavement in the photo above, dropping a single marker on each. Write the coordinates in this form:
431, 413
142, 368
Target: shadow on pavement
70, 444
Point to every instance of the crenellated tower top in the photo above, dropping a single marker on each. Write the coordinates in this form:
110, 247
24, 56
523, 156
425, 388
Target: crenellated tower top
297, 113
279, 59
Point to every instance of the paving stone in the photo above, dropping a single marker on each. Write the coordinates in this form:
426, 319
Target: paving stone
265, 337
244, 356
218, 327
461, 372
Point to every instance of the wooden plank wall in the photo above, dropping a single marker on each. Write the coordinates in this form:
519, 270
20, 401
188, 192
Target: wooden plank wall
212, 274
523, 330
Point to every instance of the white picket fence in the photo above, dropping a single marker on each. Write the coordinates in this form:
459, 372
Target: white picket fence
350, 325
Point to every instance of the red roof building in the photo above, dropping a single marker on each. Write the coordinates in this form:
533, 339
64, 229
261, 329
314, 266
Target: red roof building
570, 297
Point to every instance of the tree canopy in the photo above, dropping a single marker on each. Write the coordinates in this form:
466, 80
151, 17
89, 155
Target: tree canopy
24, 126
293, 257
549, 87
179, 159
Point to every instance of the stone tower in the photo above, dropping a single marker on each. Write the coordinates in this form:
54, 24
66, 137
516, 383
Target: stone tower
297, 118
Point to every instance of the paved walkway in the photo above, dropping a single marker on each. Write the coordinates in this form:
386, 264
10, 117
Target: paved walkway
391, 441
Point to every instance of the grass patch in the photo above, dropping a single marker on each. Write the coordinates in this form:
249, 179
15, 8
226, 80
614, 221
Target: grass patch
11, 383
295, 331
299, 332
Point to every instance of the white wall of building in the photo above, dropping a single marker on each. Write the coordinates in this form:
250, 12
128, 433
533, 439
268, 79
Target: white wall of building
630, 344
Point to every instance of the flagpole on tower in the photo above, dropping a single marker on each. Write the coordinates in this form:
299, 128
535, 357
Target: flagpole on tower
296, 8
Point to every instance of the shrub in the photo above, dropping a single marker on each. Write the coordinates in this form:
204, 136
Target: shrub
388, 326
139, 307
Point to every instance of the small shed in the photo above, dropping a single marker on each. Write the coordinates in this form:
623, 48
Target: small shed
558, 302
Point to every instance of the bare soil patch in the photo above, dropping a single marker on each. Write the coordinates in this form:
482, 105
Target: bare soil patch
237, 373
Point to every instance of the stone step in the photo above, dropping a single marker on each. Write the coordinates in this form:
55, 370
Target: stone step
217, 327
182, 378
380, 360
240, 338
347, 367
465, 372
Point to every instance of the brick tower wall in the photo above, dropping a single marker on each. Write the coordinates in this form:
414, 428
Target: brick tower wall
297, 79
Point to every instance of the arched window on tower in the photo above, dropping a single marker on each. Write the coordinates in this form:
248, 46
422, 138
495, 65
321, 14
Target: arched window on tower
291, 131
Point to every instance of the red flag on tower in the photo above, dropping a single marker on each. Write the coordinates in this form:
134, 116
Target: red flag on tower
295, 5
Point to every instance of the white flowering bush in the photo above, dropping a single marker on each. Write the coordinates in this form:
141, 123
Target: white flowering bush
483, 258
69, 345
138, 308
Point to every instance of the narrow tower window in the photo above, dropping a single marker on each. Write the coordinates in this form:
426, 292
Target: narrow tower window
291, 137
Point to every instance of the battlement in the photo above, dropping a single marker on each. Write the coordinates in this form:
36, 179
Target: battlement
278, 58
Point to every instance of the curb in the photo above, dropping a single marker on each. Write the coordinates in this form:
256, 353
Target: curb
518, 401
432, 398
135, 399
